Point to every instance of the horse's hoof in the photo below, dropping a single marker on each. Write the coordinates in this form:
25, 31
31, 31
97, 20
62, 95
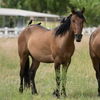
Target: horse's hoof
64, 94
99, 94
27, 86
56, 93
34, 93
21, 90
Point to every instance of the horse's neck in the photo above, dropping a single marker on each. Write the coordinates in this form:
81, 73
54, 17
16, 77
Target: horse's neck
69, 39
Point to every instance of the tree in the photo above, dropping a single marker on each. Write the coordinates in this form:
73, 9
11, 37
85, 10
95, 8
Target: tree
60, 7
92, 11
9, 3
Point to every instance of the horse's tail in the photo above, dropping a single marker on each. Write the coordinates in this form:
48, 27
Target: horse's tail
26, 73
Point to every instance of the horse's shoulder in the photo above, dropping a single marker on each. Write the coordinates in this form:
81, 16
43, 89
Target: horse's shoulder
94, 38
97, 30
95, 33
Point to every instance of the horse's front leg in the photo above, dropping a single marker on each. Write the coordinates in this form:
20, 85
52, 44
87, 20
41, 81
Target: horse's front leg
64, 72
57, 74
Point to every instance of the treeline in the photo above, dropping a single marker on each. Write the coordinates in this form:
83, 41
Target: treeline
60, 7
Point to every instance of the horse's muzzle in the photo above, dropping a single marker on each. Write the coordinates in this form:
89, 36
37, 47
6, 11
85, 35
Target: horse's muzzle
78, 37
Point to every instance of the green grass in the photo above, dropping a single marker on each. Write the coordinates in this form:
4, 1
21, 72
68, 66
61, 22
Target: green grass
81, 83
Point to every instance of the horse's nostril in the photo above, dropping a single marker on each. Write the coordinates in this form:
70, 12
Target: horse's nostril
78, 40
78, 37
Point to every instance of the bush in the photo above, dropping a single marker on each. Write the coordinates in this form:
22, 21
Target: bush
92, 10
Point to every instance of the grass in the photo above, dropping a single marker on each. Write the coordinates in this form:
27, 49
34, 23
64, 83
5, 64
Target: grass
81, 82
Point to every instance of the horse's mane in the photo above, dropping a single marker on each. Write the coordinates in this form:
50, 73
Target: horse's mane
65, 24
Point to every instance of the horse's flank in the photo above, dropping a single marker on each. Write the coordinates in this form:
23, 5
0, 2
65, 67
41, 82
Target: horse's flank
94, 43
94, 47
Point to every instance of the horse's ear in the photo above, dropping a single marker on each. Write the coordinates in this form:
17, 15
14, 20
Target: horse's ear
73, 11
83, 10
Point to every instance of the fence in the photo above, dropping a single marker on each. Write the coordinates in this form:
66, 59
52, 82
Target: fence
13, 32
88, 31
9, 32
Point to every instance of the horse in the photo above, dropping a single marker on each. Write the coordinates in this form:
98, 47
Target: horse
49, 46
94, 50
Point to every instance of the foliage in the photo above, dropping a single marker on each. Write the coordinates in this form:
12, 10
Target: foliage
60, 7
52, 6
92, 11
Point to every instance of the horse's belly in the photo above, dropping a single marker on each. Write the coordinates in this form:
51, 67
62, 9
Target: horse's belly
42, 57
41, 54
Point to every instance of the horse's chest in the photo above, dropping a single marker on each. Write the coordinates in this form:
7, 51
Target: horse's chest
64, 54
67, 53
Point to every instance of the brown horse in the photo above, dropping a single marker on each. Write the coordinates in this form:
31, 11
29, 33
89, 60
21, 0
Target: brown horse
49, 46
94, 46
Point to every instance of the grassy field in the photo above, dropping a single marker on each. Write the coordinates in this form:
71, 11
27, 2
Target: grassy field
81, 82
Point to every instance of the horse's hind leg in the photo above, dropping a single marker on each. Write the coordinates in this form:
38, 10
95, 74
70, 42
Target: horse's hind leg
24, 68
33, 69
96, 65
21, 75
98, 79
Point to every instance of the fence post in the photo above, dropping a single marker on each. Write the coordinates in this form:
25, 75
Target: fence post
16, 31
6, 31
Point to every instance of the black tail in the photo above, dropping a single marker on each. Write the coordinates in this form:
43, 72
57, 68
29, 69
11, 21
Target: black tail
26, 74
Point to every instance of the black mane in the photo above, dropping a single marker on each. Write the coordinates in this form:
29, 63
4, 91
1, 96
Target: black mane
80, 15
65, 24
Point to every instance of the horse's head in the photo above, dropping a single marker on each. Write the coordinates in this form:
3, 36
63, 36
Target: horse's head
77, 21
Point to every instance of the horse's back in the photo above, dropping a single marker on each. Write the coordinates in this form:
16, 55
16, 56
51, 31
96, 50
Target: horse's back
95, 43
31, 30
